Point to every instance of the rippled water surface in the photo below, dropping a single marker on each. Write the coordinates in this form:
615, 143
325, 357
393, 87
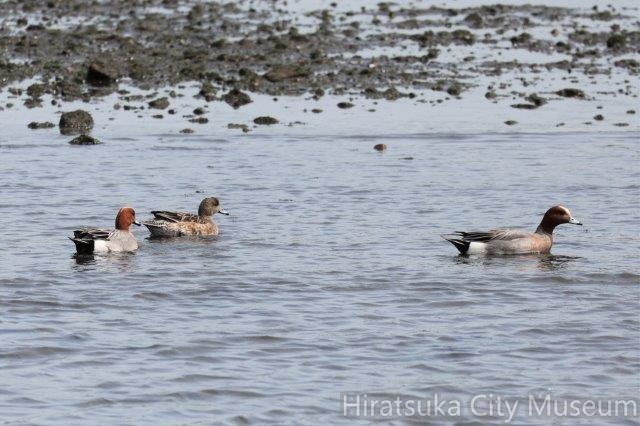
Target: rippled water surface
329, 277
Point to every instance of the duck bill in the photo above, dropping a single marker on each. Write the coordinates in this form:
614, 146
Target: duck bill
135, 222
224, 212
575, 221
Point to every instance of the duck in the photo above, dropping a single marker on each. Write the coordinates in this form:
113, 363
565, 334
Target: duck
98, 241
513, 241
177, 224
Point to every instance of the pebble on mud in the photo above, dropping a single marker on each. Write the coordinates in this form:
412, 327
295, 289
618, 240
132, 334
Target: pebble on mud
236, 98
199, 120
186, 131
40, 125
84, 140
160, 103
510, 122
265, 121
380, 147
345, 105
78, 121
598, 117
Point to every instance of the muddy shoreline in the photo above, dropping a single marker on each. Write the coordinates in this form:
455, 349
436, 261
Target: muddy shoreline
80, 51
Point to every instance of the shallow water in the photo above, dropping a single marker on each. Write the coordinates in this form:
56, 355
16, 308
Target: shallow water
329, 277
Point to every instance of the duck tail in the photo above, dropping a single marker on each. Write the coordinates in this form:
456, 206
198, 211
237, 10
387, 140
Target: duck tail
156, 229
461, 245
83, 246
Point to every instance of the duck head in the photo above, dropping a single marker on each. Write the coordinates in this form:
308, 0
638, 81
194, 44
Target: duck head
125, 218
556, 215
210, 206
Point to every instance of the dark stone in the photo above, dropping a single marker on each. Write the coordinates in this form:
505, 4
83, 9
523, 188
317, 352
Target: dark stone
84, 140
36, 90
510, 122
616, 41
524, 106
571, 93
265, 120
186, 131
380, 147
598, 117
536, 99
345, 105
242, 127
199, 111
41, 125
100, 75
33, 102
236, 98
199, 120
160, 103
75, 122
207, 91
521, 38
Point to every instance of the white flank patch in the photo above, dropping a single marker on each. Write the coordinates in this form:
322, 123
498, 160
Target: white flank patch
477, 248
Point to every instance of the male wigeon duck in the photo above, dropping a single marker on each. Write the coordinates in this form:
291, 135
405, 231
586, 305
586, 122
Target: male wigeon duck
94, 240
513, 241
176, 224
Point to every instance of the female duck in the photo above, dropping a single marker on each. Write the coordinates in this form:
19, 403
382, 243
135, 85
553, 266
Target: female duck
176, 224
93, 240
513, 241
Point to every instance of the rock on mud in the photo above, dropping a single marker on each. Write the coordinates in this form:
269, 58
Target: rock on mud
284, 72
265, 121
78, 121
40, 125
84, 140
345, 105
380, 147
160, 103
236, 98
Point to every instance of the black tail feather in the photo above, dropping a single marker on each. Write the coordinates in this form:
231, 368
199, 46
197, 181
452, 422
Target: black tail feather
83, 246
461, 245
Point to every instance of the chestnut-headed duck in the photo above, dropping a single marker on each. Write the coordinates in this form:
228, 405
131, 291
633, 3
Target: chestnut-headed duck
177, 224
95, 240
513, 241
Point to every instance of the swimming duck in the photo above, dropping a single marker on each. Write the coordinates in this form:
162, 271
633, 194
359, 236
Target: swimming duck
513, 241
94, 240
176, 224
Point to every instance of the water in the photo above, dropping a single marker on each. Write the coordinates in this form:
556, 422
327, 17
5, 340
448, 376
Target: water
329, 277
